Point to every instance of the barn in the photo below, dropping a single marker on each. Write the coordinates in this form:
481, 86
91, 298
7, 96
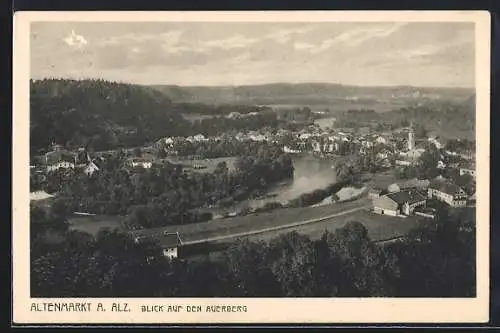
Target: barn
399, 203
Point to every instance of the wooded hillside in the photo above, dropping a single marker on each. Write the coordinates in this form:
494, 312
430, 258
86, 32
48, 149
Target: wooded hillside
98, 113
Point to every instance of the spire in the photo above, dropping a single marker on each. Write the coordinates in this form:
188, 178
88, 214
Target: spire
411, 138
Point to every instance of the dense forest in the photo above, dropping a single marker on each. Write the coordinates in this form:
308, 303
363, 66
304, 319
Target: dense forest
450, 119
219, 125
217, 109
435, 259
166, 195
446, 118
104, 115
97, 113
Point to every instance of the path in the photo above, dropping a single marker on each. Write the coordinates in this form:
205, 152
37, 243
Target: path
280, 227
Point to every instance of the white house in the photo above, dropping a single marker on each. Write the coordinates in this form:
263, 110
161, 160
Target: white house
142, 163
90, 168
289, 150
403, 162
169, 242
58, 159
447, 192
258, 137
468, 170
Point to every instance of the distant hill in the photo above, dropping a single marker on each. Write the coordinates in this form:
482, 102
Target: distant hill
308, 94
99, 114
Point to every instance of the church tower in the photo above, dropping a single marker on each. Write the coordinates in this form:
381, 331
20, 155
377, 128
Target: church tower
411, 138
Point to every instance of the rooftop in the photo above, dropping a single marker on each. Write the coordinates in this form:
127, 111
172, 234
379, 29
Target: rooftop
413, 183
445, 186
57, 156
406, 197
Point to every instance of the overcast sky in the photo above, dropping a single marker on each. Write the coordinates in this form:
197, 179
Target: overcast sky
418, 54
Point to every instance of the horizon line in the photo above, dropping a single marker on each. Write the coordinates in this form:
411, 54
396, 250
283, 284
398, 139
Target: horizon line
258, 84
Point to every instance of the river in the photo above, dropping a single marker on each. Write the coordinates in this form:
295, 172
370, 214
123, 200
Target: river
310, 173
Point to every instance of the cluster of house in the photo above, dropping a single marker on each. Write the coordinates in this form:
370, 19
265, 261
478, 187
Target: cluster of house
61, 158
81, 160
410, 197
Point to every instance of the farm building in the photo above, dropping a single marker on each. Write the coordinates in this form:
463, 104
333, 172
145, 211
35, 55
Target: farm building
169, 242
447, 192
399, 203
421, 184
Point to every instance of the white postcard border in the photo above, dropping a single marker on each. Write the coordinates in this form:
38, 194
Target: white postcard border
259, 310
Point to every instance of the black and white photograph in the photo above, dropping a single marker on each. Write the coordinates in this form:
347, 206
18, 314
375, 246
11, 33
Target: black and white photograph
245, 159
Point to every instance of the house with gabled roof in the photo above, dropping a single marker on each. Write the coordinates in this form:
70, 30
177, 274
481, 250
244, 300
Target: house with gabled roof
169, 242
59, 159
399, 203
448, 192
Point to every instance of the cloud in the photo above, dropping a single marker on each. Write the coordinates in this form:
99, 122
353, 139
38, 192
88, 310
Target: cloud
458, 50
75, 41
234, 42
356, 37
219, 53
169, 38
375, 33
284, 35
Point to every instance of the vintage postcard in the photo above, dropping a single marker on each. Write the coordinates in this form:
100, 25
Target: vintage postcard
251, 167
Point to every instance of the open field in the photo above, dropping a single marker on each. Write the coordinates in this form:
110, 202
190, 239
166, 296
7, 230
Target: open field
92, 224
379, 227
222, 228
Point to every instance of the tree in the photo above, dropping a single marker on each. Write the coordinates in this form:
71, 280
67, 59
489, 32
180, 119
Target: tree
428, 163
362, 260
292, 257
250, 271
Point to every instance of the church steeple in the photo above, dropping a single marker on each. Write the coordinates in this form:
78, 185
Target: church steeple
411, 138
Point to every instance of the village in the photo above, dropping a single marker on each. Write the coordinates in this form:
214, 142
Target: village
390, 150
